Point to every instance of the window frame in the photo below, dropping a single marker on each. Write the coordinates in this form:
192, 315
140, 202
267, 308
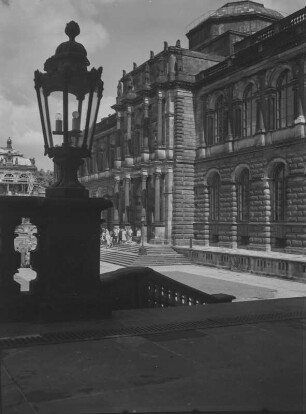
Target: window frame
250, 111
214, 187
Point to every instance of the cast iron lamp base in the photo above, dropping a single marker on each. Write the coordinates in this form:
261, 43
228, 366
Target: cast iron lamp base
68, 160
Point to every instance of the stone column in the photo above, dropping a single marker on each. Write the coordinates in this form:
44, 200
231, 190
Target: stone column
119, 143
144, 177
145, 142
260, 127
202, 121
127, 180
301, 92
168, 203
116, 200
300, 129
229, 137
157, 197
159, 118
128, 156
162, 199
169, 126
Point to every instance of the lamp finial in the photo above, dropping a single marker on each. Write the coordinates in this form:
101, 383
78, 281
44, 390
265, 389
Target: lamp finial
72, 30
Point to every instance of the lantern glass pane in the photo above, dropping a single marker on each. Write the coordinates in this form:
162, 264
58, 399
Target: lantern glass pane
83, 106
55, 102
74, 120
92, 121
43, 113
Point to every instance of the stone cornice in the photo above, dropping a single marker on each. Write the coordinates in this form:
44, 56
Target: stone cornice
246, 151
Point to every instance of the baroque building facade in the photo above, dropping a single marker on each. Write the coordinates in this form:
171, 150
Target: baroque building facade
208, 143
17, 173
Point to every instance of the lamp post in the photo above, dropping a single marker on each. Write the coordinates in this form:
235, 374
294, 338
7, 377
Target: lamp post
68, 98
68, 221
142, 249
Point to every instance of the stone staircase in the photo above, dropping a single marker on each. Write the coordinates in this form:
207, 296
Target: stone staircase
127, 255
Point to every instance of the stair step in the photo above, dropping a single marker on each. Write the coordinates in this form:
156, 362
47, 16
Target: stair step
128, 255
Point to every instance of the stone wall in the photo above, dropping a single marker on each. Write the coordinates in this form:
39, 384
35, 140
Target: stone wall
262, 230
184, 154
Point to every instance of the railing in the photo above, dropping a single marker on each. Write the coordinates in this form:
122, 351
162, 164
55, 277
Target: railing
142, 287
281, 26
246, 262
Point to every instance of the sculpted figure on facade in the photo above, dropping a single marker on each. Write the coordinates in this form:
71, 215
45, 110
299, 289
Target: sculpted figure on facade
147, 74
119, 89
130, 84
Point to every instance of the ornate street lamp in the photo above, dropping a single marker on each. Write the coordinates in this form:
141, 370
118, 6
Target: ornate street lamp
68, 98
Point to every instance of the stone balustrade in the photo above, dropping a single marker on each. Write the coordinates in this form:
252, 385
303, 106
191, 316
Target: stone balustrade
140, 287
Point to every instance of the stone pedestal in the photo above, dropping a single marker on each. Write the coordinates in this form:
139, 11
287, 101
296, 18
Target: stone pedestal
67, 260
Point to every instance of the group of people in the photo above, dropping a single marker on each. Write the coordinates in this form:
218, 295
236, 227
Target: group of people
119, 235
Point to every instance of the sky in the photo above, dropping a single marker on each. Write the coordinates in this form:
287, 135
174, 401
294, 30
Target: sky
115, 33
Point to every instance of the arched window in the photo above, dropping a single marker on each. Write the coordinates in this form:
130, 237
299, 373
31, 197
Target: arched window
243, 192
279, 193
221, 120
271, 124
237, 122
214, 197
286, 100
8, 177
250, 112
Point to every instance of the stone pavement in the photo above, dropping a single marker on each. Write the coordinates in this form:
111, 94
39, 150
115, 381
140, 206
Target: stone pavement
243, 356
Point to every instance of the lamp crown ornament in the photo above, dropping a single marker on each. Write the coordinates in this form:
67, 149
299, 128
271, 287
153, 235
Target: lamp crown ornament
69, 55
72, 30
70, 140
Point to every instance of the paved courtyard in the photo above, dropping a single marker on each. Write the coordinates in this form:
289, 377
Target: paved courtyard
237, 357
245, 356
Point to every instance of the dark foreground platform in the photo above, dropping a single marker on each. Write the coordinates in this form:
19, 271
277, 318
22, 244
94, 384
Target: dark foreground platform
236, 357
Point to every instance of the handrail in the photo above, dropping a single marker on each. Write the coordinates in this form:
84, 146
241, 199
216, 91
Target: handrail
142, 287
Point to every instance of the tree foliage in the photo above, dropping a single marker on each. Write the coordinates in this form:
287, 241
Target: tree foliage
44, 178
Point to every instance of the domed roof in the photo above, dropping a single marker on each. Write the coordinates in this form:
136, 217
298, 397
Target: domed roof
10, 155
245, 7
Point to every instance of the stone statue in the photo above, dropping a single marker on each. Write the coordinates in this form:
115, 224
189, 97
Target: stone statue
119, 89
130, 85
147, 74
